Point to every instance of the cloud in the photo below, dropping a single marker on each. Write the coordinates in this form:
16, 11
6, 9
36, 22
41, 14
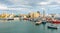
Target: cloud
43, 3
19, 6
58, 1
54, 2
6, 8
50, 2
28, 5
18, 9
6, 2
30, 2
3, 7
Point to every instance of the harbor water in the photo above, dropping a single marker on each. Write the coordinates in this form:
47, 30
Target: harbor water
23, 26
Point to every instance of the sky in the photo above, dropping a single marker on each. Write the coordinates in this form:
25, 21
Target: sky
26, 6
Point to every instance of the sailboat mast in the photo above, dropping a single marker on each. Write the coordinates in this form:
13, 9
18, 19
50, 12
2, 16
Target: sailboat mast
43, 13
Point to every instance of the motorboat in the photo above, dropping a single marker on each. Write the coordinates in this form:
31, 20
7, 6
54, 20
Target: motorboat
9, 18
39, 22
52, 27
56, 21
44, 21
26, 19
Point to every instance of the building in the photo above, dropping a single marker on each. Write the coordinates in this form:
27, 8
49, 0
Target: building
34, 14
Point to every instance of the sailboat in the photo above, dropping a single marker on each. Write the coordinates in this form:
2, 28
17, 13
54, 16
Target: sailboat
44, 18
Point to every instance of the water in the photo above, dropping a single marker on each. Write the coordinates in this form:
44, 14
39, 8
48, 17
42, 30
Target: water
17, 26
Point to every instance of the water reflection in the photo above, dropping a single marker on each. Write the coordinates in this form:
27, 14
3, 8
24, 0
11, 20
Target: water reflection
44, 26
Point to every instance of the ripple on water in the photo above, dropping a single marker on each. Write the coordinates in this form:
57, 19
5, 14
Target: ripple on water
25, 27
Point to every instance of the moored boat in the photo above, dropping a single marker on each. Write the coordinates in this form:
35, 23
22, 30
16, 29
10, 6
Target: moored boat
56, 21
52, 27
26, 19
39, 22
44, 21
10, 19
